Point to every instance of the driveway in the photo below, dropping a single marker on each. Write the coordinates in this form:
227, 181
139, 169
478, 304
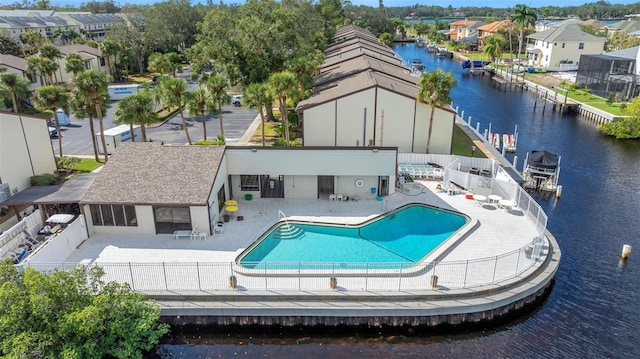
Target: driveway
76, 137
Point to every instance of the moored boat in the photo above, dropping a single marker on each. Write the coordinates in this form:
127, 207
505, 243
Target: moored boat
541, 172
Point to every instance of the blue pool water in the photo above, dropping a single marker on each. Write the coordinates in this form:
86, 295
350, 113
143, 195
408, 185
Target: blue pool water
403, 236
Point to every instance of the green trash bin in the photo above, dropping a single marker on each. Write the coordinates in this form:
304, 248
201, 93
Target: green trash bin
248, 197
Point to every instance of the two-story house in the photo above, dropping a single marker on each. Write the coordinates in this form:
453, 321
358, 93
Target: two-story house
91, 56
93, 26
18, 66
561, 47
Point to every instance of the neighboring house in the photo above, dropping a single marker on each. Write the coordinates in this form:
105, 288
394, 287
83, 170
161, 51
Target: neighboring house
93, 26
628, 26
184, 187
490, 29
91, 56
18, 66
614, 73
25, 150
561, 47
463, 28
45, 26
363, 100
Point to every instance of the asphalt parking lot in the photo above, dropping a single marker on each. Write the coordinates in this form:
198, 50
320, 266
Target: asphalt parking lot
76, 137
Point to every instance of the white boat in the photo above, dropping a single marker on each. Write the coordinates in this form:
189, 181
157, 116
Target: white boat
509, 142
541, 172
494, 140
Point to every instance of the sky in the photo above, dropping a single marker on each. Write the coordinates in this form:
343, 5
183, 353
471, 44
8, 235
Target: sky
502, 4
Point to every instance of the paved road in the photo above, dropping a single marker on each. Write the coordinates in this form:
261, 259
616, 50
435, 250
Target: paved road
76, 137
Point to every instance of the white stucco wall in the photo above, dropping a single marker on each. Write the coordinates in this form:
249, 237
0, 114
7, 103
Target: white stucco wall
25, 149
319, 125
395, 120
554, 52
302, 166
352, 128
399, 121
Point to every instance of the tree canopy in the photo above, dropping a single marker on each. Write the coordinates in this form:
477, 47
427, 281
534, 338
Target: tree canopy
73, 314
625, 127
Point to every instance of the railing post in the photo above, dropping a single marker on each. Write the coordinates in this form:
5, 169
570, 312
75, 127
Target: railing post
400, 278
299, 277
366, 278
164, 272
466, 269
131, 274
198, 272
518, 262
266, 284
495, 266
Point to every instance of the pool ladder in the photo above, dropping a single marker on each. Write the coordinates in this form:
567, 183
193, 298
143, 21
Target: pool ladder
289, 231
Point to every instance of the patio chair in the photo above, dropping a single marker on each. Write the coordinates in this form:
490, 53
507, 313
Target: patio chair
218, 228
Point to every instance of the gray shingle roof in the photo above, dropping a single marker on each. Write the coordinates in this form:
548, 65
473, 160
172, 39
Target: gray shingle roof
348, 67
630, 53
86, 19
150, 173
78, 48
13, 61
570, 32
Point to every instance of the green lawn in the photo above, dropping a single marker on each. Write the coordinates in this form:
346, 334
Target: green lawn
87, 165
462, 144
593, 100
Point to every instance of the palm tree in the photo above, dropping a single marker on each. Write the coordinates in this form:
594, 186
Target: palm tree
15, 87
159, 63
74, 64
305, 67
94, 85
434, 90
137, 109
198, 102
109, 48
283, 85
173, 89
82, 106
217, 87
51, 52
492, 46
41, 66
257, 96
524, 17
52, 98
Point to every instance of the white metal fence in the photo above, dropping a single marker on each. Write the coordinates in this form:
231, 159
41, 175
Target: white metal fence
311, 277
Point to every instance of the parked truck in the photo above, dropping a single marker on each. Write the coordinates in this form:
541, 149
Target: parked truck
118, 92
116, 135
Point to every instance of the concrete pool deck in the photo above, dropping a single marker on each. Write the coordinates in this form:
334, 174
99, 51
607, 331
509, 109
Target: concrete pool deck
497, 232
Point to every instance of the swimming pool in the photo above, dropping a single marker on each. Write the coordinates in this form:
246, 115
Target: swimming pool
403, 236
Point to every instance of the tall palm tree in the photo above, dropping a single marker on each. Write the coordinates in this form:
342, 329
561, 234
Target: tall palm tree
109, 48
257, 96
217, 86
173, 89
434, 91
52, 98
15, 87
82, 106
524, 17
284, 85
198, 102
51, 52
74, 64
137, 109
94, 84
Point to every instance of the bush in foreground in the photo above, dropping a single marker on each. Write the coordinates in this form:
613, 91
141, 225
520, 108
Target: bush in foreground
73, 314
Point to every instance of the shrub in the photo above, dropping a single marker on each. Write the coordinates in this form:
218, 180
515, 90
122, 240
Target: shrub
45, 179
67, 162
219, 141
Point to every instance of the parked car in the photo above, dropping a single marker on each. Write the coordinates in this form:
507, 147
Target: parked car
53, 132
236, 100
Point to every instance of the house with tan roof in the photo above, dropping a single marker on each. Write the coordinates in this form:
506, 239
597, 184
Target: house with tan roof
149, 188
91, 56
561, 47
371, 101
490, 29
18, 66
460, 29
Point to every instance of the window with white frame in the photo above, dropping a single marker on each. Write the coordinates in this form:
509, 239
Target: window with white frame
113, 215
249, 183
581, 46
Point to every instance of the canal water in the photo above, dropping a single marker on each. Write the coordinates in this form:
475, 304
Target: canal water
593, 311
